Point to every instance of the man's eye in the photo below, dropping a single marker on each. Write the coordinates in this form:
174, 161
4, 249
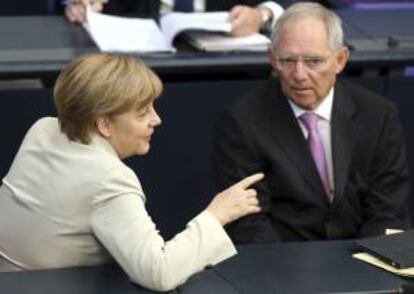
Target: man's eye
314, 61
290, 60
287, 60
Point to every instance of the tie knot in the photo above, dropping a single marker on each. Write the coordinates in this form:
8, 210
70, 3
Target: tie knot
309, 119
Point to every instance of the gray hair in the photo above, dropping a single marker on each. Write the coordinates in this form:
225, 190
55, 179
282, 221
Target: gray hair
333, 23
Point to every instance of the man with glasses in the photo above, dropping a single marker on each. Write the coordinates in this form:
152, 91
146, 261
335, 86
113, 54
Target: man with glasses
332, 152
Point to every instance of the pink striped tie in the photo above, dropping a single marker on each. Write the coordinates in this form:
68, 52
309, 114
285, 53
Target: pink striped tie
309, 119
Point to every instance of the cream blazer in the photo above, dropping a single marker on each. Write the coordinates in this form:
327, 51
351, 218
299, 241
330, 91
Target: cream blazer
65, 204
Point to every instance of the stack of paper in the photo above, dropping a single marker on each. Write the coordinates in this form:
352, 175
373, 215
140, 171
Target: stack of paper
208, 41
174, 23
114, 33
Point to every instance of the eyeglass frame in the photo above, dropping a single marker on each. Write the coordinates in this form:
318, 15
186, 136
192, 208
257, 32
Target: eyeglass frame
306, 60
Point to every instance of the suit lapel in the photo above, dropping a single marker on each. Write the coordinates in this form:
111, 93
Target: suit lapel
285, 129
343, 132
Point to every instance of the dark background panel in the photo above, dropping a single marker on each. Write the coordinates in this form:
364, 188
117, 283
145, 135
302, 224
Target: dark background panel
27, 7
401, 91
19, 109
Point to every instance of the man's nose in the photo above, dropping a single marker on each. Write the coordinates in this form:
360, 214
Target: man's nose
299, 70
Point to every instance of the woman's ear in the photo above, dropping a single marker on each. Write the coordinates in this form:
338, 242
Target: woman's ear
104, 127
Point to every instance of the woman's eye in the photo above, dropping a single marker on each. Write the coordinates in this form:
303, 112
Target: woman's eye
144, 111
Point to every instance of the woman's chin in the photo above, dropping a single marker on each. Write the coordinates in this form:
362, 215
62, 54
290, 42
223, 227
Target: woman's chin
144, 149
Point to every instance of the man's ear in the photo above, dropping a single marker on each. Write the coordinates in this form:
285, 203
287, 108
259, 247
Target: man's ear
342, 59
104, 127
272, 57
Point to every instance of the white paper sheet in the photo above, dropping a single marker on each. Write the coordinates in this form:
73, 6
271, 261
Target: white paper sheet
113, 33
174, 23
208, 41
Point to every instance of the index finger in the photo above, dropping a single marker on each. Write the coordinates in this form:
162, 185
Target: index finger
250, 180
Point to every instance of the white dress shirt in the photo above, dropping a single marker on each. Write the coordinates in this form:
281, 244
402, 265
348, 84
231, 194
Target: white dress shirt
65, 204
324, 114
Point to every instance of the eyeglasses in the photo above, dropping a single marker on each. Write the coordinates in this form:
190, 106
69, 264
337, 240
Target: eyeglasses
287, 62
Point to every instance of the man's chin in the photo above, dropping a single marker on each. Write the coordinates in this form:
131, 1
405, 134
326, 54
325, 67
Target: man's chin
304, 101
302, 93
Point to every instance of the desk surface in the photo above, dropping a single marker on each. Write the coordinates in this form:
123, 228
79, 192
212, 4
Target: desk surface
38, 46
310, 267
313, 267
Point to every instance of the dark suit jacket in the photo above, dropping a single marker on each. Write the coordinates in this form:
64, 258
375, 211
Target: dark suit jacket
260, 133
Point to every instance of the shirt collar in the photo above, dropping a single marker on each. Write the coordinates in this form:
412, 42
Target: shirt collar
324, 110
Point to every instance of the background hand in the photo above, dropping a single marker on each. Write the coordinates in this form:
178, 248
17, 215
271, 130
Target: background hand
76, 12
245, 20
237, 201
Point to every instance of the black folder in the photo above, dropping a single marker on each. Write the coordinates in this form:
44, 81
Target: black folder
396, 250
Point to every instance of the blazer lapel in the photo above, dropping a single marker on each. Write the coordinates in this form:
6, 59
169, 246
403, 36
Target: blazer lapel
285, 129
343, 135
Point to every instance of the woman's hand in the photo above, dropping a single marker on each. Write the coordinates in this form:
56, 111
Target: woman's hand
237, 201
76, 11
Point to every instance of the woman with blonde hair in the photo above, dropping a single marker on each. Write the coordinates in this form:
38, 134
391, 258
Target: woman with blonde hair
69, 200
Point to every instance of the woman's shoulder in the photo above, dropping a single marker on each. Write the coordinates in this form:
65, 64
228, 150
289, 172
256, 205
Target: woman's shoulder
119, 180
41, 128
45, 123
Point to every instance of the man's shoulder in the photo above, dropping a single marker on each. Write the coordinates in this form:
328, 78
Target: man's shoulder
365, 97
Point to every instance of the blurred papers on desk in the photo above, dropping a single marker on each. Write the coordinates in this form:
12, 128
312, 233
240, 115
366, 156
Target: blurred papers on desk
213, 42
113, 33
126, 34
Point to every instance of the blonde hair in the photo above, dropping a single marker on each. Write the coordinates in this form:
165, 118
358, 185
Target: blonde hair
100, 84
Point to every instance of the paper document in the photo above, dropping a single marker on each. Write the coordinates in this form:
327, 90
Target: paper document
215, 42
405, 272
176, 22
114, 33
